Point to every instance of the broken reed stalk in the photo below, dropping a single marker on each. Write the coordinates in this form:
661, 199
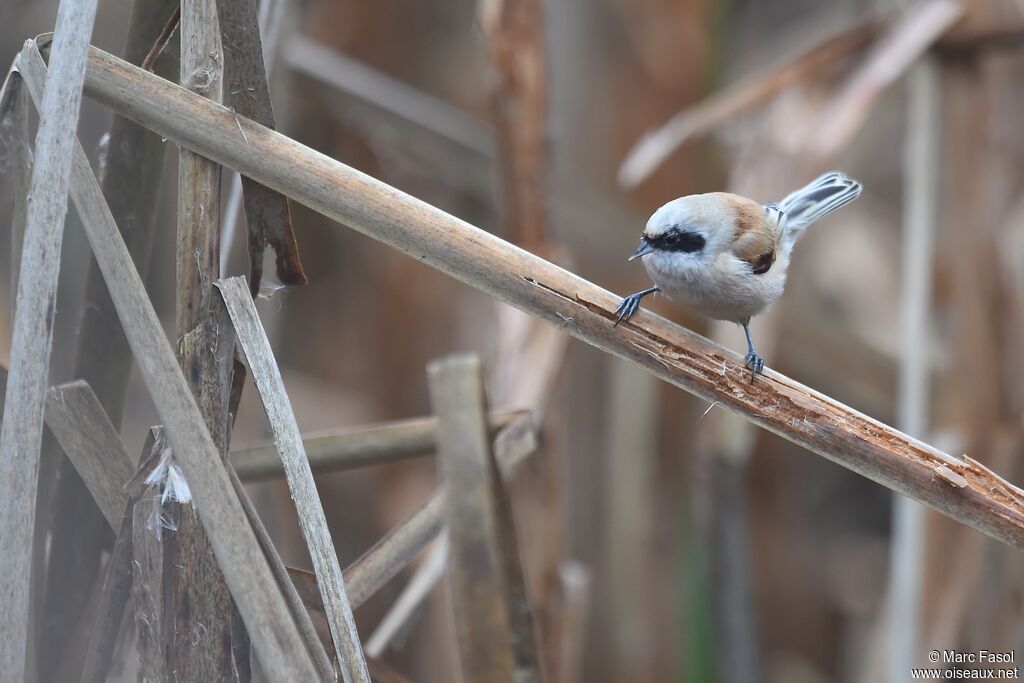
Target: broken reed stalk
958, 487
21, 434
268, 32
279, 644
353, 447
74, 413
248, 93
92, 444
312, 521
477, 577
207, 640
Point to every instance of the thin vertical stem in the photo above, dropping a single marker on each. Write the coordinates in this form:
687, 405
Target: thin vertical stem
515, 39
919, 219
634, 413
202, 609
22, 431
476, 577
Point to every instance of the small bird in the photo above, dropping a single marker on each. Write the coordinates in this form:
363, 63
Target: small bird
727, 255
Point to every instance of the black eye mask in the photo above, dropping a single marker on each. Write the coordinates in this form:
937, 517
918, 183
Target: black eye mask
679, 239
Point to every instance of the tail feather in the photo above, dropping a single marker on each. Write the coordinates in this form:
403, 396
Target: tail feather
821, 197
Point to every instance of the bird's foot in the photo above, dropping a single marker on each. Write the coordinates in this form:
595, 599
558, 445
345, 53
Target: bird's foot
755, 364
627, 308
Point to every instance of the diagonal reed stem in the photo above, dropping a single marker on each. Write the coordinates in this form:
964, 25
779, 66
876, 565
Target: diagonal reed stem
957, 487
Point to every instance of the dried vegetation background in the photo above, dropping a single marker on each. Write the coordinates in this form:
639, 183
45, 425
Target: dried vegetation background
600, 525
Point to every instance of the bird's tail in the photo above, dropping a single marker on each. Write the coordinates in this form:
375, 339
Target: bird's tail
821, 197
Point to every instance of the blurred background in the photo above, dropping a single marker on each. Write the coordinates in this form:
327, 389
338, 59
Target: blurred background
663, 539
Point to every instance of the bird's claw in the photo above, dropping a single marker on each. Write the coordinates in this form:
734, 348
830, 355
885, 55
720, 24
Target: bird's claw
755, 364
627, 308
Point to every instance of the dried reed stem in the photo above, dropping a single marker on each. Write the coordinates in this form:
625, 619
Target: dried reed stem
22, 431
206, 645
285, 584
476, 578
515, 40
160, 44
353, 447
312, 521
920, 217
245, 77
85, 433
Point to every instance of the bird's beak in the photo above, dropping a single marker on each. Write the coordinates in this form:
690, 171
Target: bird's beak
644, 248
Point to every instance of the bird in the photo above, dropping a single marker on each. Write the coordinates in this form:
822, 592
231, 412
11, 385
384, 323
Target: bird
727, 255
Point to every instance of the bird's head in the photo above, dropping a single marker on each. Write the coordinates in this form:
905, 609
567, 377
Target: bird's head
687, 232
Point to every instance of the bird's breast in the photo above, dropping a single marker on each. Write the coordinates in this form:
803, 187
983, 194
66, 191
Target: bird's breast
723, 289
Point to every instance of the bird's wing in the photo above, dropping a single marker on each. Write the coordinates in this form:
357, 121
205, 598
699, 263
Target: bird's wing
758, 236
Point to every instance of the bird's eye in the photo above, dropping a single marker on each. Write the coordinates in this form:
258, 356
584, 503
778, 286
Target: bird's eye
680, 239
